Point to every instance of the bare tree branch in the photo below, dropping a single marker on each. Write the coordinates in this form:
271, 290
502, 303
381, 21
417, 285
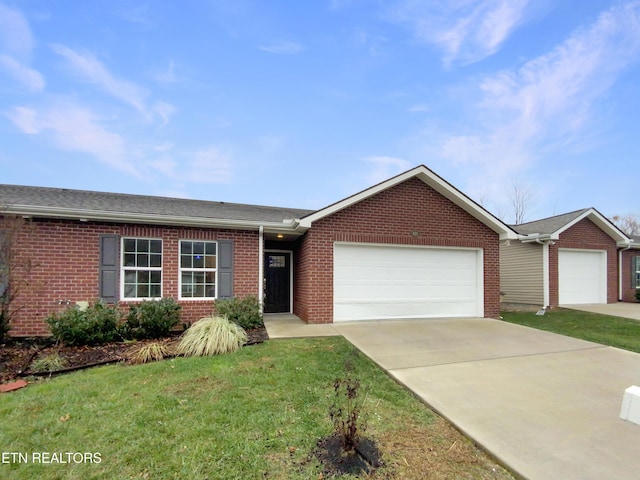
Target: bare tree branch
16, 268
629, 224
521, 198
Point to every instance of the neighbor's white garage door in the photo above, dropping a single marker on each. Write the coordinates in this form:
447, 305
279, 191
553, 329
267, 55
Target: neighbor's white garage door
582, 276
380, 281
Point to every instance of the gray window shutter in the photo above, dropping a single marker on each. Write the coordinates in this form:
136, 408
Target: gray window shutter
109, 268
225, 268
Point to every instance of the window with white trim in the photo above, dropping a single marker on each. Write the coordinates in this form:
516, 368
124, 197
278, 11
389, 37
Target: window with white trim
198, 269
636, 269
141, 268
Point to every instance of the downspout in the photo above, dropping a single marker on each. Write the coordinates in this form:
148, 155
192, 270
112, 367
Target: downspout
261, 269
546, 296
620, 270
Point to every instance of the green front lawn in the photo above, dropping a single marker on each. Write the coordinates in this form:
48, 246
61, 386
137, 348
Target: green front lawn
604, 329
254, 414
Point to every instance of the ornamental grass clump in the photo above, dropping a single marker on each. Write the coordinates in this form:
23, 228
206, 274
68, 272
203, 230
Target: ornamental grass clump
50, 363
150, 352
211, 336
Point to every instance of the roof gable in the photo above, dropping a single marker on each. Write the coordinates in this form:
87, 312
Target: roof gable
550, 225
553, 227
431, 179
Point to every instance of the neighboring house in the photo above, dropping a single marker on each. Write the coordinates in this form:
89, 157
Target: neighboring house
630, 271
411, 246
575, 258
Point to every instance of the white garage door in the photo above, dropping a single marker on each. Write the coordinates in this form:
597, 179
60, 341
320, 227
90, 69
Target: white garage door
380, 281
582, 276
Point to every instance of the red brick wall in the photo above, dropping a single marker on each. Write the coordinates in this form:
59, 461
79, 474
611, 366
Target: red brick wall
389, 217
628, 291
584, 235
66, 254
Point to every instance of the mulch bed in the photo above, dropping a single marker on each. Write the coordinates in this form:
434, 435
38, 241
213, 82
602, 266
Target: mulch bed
17, 356
335, 462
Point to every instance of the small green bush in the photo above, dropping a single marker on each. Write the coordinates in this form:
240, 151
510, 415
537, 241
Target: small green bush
638, 295
151, 319
211, 336
95, 325
242, 311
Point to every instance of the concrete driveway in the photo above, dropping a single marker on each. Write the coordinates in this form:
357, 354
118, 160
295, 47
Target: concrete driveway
620, 309
545, 405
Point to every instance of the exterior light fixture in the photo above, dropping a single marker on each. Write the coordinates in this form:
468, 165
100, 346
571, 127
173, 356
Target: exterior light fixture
280, 236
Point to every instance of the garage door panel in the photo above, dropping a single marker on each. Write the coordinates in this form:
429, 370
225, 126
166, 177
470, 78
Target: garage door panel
582, 276
373, 282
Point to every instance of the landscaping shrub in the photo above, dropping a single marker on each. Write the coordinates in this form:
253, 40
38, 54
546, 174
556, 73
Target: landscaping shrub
243, 311
638, 295
151, 319
347, 412
95, 325
211, 336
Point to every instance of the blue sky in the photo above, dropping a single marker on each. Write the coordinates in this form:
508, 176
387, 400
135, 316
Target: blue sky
301, 104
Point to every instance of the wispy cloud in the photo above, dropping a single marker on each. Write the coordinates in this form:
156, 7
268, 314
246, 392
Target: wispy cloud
74, 128
15, 34
138, 14
208, 165
283, 48
466, 31
16, 45
380, 168
164, 110
419, 108
92, 70
168, 76
26, 76
550, 101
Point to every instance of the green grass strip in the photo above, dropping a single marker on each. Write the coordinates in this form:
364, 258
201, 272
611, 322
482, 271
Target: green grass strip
604, 329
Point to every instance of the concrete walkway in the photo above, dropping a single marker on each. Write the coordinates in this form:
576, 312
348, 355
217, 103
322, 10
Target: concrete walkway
620, 309
545, 405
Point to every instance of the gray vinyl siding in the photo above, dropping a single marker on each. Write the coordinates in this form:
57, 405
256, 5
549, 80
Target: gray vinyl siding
521, 273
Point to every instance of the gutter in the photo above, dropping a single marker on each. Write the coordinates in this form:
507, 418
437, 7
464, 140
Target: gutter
147, 218
538, 238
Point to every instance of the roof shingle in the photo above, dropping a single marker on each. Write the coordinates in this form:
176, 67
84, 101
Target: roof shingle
89, 201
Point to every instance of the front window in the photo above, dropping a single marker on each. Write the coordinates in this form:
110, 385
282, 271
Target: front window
636, 265
141, 268
198, 266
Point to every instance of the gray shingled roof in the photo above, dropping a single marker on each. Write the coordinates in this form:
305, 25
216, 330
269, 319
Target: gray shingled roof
548, 225
87, 201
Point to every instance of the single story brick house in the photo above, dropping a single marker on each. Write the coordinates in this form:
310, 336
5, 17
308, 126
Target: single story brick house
575, 258
411, 246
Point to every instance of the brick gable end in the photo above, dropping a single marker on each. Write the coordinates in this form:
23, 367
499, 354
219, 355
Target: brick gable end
410, 213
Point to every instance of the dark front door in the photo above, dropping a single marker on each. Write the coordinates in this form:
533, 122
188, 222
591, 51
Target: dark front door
277, 282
